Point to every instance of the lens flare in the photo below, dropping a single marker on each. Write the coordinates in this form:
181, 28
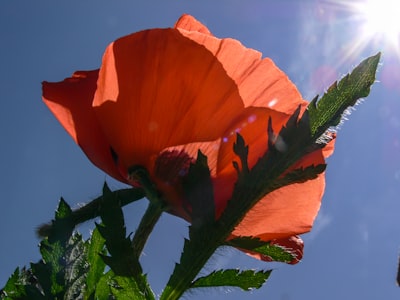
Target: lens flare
381, 20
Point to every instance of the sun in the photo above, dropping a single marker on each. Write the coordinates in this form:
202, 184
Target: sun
375, 23
381, 19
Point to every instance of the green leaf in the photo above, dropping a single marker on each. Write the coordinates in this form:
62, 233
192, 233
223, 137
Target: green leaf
198, 191
246, 280
51, 271
71, 268
76, 267
111, 286
122, 259
275, 252
328, 111
13, 288
62, 224
300, 175
62, 270
96, 264
103, 289
91, 210
125, 288
242, 150
63, 210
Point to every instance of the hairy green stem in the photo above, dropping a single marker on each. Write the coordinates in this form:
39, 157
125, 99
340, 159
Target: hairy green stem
91, 210
146, 226
154, 210
184, 278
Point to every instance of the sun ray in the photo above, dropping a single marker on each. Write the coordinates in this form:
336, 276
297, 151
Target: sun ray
376, 21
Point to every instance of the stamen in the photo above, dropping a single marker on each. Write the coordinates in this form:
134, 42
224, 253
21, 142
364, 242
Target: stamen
172, 166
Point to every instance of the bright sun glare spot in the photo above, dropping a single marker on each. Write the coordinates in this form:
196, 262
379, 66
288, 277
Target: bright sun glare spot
376, 24
382, 18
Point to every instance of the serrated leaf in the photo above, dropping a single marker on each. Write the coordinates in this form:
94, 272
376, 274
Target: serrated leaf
76, 268
43, 275
112, 216
328, 111
91, 210
246, 280
52, 266
122, 259
111, 286
198, 191
103, 289
13, 288
300, 175
242, 151
62, 225
95, 248
62, 268
64, 210
126, 288
275, 252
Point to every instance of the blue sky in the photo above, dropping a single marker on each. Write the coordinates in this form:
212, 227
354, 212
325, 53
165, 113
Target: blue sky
352, 251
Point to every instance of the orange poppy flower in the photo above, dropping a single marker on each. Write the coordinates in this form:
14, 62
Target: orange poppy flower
160, 95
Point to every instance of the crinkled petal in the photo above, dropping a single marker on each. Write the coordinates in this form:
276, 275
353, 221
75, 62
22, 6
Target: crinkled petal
158, 89
287, 211
260, 82
71, 103
189, 23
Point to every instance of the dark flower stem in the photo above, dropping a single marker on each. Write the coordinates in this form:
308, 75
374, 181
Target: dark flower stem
149, 220
91, 210
154, 210
183, 276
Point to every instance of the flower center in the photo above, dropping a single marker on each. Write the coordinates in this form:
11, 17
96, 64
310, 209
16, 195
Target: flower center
172, 165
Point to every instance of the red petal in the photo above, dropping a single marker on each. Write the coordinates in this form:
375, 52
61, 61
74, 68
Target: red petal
158, 89
260, 82
287, 211
71, 102
187, 22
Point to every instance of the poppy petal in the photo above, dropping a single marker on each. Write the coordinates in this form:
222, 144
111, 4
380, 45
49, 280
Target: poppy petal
189, 23
287, 211
252, 125
71, 102
260, 82
158, 89
173, 192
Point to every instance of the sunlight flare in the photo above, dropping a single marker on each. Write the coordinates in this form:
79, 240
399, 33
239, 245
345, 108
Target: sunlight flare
381, 19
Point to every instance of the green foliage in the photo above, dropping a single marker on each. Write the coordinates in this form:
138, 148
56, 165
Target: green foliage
91, 210
275, 252
199, 192
73, 269
94, 247
14, 288
242, 151
328, 111
246, 280
299, 175
194, 253
60, 273
122, 259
